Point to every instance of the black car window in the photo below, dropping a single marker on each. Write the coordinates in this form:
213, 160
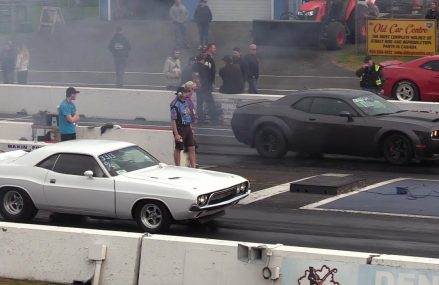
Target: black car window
49, 162
330, 106
431, 65
303, 104
77, 164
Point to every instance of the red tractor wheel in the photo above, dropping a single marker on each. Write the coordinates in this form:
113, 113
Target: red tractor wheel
336, 36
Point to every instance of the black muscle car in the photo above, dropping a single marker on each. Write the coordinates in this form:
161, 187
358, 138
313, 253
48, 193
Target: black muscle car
337, 121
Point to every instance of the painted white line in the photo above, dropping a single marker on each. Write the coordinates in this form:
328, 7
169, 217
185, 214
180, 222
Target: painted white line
307, 76
377, 213
268, 192
313, 206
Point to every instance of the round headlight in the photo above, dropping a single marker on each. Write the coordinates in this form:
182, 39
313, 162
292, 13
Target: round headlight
202, 200
242, 187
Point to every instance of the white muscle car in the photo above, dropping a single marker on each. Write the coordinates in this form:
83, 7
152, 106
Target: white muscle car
113, 179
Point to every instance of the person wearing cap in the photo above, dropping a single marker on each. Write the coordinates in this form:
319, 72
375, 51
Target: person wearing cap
120, 47
231, 75
68, 116
371, 74
237, 59
181, 121
203, 17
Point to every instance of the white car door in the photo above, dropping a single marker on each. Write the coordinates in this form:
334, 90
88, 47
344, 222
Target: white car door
68, 190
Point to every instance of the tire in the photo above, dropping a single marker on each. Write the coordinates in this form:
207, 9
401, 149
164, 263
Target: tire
270, 142
336, 36
16, 205
397, 149
405, 90
152, 217
358, 32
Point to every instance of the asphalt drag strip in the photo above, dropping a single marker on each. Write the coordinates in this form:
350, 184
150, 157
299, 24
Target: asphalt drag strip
405, 197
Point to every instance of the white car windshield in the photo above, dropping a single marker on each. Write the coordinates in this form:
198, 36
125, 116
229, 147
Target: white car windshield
126, 160
374, 105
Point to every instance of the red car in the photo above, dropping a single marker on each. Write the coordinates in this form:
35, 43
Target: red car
416, 80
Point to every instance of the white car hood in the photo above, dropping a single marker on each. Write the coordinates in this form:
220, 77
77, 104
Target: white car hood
184, 177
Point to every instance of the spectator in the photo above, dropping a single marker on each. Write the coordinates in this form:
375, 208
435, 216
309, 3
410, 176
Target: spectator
181, 126
372, 10
68, 116
203, 17
172, 70
22, 64
120, 47
432, 13
237, 59
252, 63
191, 87
205, 67
178, 14
372, 78
7, 63
232, 77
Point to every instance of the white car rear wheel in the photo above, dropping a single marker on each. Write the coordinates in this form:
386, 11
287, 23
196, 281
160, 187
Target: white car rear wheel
16, 205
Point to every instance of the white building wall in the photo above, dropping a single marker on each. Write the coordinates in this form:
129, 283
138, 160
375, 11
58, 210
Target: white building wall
240, 10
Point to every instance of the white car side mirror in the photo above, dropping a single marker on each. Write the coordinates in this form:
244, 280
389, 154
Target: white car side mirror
88, 173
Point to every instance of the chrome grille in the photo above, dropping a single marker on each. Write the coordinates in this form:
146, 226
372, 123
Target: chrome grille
222, 195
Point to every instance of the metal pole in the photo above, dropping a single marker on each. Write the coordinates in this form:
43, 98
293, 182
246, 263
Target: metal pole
356, 28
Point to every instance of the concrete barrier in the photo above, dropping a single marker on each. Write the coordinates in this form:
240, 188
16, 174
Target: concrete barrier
64, 255
160, 143
128, 104
54, 254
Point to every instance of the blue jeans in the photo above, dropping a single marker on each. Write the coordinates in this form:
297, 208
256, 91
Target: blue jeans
180, 35
203, 31
252, 85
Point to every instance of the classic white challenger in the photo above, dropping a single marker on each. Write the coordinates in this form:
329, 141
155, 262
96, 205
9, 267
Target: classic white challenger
112, 179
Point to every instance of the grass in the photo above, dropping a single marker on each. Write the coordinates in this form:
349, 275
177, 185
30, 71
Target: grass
351, 57
20, 282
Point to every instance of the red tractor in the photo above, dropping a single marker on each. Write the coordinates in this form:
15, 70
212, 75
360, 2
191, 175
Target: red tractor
331, 22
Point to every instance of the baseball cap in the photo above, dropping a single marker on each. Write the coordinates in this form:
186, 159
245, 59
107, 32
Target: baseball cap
180, 91
367, 58
70, 91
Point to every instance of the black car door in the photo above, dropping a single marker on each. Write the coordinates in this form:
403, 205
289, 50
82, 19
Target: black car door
340, 134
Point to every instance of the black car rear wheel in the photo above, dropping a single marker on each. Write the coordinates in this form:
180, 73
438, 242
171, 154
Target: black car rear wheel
397, 149
270, 142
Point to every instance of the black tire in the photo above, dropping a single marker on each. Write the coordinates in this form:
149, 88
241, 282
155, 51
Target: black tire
358, 32
336, 36
16, 205
152, 217
405, 90
397, 149
270, 142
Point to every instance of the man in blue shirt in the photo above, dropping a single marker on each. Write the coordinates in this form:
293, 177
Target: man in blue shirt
181, 126
68, 116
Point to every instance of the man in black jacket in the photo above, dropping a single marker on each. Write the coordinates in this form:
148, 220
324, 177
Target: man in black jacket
231, 76
372, 78
252, 62
120, 48
432, 13
7, 63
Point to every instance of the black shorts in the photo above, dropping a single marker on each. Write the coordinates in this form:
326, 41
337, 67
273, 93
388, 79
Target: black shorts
68, 137
185, 131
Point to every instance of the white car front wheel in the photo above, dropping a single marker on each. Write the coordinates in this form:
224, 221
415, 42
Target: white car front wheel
153, 217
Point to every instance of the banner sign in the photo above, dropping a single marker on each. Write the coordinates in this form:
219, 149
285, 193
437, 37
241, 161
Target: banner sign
401, 37
297, 271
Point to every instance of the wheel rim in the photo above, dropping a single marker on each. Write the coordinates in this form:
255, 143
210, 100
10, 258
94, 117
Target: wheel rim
13, 202
270, 142
405, 92
398, 149
151, 216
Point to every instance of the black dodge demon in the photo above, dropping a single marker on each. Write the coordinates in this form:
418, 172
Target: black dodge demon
337, 121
